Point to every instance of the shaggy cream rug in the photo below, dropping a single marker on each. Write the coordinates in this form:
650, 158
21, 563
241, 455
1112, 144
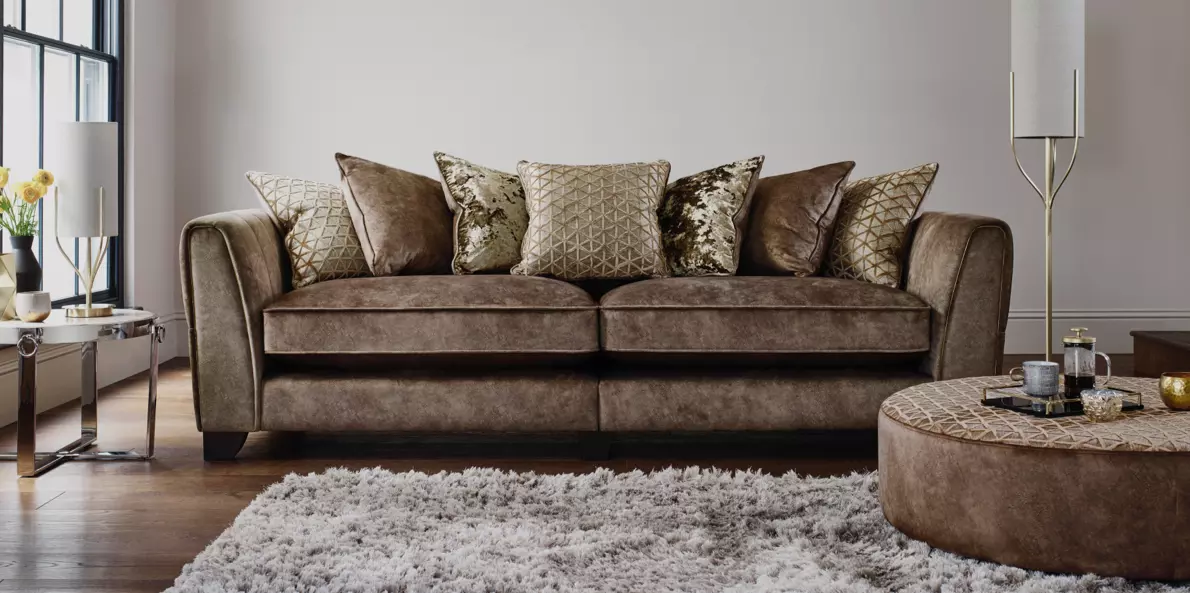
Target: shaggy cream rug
674, 530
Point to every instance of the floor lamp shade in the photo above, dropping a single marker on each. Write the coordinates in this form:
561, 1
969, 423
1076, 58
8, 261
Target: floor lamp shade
1048, 45
84, 157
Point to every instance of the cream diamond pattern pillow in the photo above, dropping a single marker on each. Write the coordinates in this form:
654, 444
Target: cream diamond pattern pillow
594, 221
873, 225
316, 224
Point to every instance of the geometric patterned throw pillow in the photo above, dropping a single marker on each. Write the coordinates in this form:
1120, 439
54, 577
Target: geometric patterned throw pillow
596, 221
873, 225
316, 224
703, 217
489, 215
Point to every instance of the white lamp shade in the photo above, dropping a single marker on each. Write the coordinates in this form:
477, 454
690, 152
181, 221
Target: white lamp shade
1048, 45
84, 157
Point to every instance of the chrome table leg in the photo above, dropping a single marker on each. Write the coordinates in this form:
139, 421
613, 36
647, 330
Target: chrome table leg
155, 339
90, 395
27, 408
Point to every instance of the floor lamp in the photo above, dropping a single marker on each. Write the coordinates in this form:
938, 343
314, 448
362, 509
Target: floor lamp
1048, 53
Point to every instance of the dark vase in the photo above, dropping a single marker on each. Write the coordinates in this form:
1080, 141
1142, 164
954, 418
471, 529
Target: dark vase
28, 270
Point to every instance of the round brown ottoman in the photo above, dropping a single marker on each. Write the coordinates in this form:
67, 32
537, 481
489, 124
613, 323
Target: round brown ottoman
1059, 495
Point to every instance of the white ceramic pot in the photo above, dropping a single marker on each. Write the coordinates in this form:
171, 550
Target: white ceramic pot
33, 307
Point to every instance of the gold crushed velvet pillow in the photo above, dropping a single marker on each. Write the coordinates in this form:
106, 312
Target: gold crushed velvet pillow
873, 225
489, 215
401, 219
316, 225
595, 221
789, 228
703, 216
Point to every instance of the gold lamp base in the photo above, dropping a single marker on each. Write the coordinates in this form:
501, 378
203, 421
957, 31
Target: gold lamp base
83, 311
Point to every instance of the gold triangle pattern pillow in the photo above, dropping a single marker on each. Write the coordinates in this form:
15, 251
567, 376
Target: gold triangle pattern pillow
703, 218
593, 221
873, 225
489, 215
316, 225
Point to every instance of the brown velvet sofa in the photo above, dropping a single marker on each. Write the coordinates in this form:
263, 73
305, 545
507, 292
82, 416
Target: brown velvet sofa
516, 354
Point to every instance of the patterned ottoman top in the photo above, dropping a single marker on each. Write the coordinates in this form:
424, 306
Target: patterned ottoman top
952, 408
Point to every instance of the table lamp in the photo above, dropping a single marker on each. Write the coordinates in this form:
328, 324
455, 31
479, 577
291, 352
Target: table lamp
1046, 93
84, 158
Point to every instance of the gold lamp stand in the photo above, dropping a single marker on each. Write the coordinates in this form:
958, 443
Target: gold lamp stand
88, 271
1047, 197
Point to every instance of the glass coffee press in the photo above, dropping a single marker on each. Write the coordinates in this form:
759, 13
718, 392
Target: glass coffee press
1078, 352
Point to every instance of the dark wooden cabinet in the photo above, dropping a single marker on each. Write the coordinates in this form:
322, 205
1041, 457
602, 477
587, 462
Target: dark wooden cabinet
1160, 352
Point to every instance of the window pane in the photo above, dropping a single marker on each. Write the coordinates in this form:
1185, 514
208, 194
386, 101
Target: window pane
20, 108
61, 82
42, 18
94, 91
77, 22
61, 97
12, 12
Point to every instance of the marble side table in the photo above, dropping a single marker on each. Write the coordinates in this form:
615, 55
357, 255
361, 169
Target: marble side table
124, 324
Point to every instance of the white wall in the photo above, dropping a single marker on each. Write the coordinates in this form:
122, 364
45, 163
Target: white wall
280, 85
151, 213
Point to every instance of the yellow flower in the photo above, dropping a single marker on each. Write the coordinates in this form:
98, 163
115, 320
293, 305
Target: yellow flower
43, 177
29, 192
3, 176
42, 190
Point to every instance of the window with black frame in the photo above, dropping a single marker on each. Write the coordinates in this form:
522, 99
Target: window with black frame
61, 62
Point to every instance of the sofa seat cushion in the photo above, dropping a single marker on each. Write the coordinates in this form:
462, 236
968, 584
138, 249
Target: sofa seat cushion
763, 316
417, 316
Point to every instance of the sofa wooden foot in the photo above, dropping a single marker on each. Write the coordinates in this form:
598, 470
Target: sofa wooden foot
222, 446
595, 447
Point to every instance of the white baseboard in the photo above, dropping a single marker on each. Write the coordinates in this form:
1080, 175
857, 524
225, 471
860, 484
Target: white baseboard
59, 372
1111, 327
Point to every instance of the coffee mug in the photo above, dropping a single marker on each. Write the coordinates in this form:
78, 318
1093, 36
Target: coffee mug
1039, 378
32, 307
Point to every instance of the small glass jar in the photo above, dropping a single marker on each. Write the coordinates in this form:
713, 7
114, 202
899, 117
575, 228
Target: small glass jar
1102, 405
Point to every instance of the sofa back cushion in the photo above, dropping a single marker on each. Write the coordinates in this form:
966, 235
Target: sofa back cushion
489, 215
316, 225
401, 218
872, 233
704, 216
789, 228
593, 221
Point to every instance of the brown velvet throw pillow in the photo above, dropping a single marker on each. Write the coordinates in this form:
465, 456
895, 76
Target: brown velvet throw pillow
402, 221
789, 228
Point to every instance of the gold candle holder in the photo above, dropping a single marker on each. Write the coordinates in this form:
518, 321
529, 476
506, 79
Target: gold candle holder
1175, 390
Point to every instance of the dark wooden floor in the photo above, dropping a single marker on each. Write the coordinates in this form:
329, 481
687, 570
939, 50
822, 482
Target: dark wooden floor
130, 527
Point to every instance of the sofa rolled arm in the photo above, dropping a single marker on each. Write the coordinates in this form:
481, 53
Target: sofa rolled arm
233, 265
961, 265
